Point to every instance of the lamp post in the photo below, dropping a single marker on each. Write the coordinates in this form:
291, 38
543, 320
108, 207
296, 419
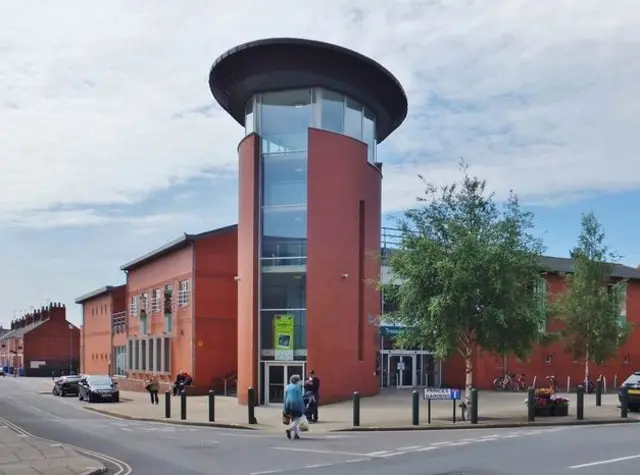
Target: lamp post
70, 349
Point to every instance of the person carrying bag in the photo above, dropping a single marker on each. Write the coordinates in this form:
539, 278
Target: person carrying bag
293, 406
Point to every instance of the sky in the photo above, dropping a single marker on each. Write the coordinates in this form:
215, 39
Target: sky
111, 143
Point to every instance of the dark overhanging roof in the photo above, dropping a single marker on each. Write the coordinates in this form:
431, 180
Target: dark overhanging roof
97, 293
173, 246
291, 63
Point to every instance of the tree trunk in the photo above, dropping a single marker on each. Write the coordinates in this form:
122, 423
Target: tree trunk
586, 370
468, 379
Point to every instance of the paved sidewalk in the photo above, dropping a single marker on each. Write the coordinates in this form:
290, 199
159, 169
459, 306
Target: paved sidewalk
392, 409
23, 455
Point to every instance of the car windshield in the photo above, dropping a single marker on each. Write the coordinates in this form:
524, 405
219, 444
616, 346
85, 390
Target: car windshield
100, 380
71, 378
633, 379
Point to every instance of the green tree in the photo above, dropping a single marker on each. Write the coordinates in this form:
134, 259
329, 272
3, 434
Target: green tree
468, 268
591, 305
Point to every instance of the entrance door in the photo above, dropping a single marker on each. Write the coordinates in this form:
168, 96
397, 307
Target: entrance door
402, 371
277, 377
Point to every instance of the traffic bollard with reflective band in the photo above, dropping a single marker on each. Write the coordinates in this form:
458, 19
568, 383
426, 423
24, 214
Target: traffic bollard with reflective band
599, 385
356, 409
531, 405
251, 406
167, 405
212, 406
474, 406
415, 408
624, 403
580, 403
183, 405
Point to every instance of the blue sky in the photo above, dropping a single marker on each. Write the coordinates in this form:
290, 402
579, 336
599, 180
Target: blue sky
112, 144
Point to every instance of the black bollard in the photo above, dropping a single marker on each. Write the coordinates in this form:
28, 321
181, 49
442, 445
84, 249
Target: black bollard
415, 408
251, 406
167, 405
474, 406
183, 405
599, 388
580, 403
531, 405
356, 409
624, 403
212, 406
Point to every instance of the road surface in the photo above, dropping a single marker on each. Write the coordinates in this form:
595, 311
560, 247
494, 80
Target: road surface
146, 448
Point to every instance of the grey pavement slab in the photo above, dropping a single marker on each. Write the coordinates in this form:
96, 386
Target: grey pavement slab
20, 454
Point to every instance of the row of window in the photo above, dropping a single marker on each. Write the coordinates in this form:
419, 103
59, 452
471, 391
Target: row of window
101, 310
119, 322
149, 354
282, 119
160, 300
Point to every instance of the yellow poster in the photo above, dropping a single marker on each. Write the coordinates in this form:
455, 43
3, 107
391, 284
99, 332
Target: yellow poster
283, 332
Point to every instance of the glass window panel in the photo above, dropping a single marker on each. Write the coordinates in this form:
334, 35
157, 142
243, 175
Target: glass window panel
249, 125
285, 117
284, 232
353, 119
299, 329
369, 135
332, 110
283, 290
284, 179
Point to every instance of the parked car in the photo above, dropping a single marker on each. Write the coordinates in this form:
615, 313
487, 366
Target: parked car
98, 389
2, 373
66, 385
632, 383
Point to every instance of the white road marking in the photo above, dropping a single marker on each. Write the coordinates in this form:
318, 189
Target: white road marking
266, 472
604, 462
319, 465
412, 447
426, 449
320, 451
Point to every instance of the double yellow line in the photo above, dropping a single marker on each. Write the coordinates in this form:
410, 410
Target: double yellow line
122, 468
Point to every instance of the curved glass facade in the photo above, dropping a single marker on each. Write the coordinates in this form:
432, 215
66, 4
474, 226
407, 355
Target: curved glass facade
282, 119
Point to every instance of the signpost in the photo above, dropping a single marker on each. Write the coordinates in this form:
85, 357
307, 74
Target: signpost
441, 394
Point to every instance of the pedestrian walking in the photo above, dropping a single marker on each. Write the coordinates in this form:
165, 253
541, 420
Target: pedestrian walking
293, 406
153, 386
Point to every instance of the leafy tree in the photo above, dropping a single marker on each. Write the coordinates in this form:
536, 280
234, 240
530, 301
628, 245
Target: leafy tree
468, 268
590, 306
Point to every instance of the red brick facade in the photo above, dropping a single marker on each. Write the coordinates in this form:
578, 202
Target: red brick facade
42, 343
553, 360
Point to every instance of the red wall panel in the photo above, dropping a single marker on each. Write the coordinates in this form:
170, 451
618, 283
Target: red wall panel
343, 264
248, 265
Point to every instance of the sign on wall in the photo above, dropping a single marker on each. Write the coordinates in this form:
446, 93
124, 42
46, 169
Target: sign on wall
283, 329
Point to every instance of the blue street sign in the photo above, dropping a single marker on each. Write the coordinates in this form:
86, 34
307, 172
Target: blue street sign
446, 394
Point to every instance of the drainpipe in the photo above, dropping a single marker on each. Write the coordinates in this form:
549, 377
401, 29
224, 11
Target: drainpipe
192, 301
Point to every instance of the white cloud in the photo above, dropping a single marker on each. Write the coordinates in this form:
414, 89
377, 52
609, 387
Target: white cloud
105, 103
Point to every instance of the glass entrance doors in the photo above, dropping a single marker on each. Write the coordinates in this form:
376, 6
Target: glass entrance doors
402, 371
277, 377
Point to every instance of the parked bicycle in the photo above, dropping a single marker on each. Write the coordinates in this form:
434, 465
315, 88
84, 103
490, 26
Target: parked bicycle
510, 382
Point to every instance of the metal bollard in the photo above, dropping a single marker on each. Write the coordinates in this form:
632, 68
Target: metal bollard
212, 406
183, 405
531, 405
580, 403
415, 408
167, 405
356, 409
474, 406
624, 403
251, 406
599, 390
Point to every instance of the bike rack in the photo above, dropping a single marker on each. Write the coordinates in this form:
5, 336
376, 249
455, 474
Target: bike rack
615, 381
568, 384
534, 381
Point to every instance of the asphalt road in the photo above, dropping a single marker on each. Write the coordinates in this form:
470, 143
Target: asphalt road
150, 448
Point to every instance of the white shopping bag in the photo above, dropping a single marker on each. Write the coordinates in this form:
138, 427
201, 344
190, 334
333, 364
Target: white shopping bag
303, 424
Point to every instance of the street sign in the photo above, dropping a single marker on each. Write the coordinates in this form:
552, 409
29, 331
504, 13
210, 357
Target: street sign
446, 394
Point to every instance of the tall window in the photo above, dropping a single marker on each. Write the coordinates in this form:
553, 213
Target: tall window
285, 117
155, 300
168, 308
133, 307
540, 291
183, 293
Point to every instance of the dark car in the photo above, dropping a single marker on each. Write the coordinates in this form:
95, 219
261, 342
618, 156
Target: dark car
66, 385
98, 389
632, 383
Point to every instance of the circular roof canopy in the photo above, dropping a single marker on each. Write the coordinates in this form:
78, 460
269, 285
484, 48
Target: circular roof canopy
287, 63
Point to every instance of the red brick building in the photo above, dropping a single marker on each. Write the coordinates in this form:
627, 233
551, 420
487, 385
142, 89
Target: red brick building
176, 312
42, 343
553, 360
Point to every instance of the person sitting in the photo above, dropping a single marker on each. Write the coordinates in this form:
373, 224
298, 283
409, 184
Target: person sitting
178, 383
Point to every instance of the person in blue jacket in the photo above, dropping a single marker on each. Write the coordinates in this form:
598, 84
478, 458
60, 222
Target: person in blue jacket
294, 405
